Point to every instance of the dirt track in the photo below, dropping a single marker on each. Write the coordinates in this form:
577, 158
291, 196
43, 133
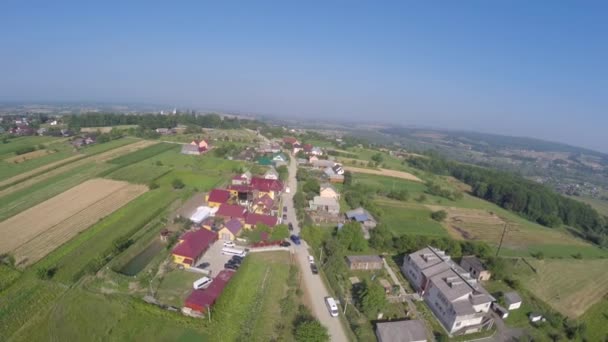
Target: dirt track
385, 172
37, 231
105, 156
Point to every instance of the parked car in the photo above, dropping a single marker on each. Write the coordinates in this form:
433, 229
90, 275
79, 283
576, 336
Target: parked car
229, 244
332, 306
285, 209
204, 265
314, 269
285, 244
236, 257
284, 216
290, 225
287, 190
231, 266
311, 259
202, 283
295, 239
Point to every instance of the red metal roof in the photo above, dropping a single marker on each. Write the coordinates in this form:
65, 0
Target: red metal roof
240, 188
231, 211
199, 300
266, 201
266, 185
194, 243
219, 196
290, 140
307, 147
254, 219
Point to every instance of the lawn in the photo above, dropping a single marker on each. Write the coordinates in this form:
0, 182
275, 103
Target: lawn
175, 286
81, 315
596, 319
406, 218
569, 286
252, 296
75, 256
18, 201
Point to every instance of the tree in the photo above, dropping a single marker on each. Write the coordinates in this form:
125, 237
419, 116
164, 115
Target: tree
348, 178
350, 236
381, 238
373, 299
439, 215
283, 172
177, 183
311, 186
311, 330
378, 158
279, 232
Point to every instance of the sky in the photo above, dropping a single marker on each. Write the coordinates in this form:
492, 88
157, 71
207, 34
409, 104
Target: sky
524, 68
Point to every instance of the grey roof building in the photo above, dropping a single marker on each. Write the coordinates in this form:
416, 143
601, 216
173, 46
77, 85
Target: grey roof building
401, 331
328, 204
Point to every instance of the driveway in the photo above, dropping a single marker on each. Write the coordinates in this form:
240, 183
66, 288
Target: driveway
215, 258
313, 285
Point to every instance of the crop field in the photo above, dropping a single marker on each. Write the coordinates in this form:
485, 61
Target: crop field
28, 156
13, 145
139, 173
142, 154
97, 158
384, 172
40, 229
569, 286
105, 129
596, 319
406, 218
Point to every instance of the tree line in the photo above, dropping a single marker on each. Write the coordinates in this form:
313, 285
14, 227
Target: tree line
154, 121
531, 200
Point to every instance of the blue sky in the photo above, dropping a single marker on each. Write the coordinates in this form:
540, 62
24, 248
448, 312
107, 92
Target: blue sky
513, 67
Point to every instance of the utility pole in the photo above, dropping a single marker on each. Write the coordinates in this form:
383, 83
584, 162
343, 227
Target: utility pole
321, 256
345, 305
504, 232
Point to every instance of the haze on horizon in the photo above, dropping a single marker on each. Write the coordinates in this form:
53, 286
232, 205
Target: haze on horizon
535, 69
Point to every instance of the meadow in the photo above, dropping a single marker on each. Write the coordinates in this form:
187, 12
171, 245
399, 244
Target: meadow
9, 148
408, 218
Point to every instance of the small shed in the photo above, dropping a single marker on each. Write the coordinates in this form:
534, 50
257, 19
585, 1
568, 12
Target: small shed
512, 300
535, 317
500, 311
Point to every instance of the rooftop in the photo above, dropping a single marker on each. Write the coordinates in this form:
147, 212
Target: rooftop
512, 297
193, 243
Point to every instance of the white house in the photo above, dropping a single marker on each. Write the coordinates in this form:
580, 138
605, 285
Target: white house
512, 301
328, 191
457, 300
271, 174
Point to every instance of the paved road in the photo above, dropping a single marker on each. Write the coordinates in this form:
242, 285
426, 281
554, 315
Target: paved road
312, 284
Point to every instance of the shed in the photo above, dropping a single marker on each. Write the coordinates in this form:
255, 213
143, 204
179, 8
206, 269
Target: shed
500, 311
512, 300
535, 317
202, 213
199, 300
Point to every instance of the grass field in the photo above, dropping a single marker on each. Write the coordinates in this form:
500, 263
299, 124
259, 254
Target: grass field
569, 286
141, 173
175, 286
252, 296
8, 275
84, 316
8, 150
600, 205
407, 218
596, 320
142, 154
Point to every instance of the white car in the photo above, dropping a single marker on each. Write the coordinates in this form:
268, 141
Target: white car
332, 306
202, 283
229, 244
311, 259
287, 190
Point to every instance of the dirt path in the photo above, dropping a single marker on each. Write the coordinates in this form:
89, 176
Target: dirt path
98, 158
385, 172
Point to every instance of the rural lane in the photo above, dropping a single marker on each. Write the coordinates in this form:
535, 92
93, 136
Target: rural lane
312, 284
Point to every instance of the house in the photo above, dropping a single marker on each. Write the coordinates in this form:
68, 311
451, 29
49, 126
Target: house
230, 230
307, 148
202, 145
290, 141
201, 300
190, 150
338, 169
328, 191
191, 246
231, 211
328, 204
247, 154
332, 176
322, 163
202, 213
316, 151
217, 197
401, 331
457, 300
23, 130
312, 159
253, 219
302, 161
473, 265
512, 300
196, 147
66, 133
53, 123
364, 262
279, 157
242, 179
77, 142
263, 204
296, 148
271, 174
362, 216
270, 186
264, 161
41, 131
243, 193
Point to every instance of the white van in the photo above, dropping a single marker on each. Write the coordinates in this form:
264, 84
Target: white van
202, 283
234, 251
332, 306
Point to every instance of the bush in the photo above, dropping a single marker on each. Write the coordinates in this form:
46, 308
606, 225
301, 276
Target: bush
24, 150
439, 216
177, 184
46, 273
152, 186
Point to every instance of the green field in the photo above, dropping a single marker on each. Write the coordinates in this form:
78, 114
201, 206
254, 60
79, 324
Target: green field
143, 154
175, 286
8, 149
600, 205
142, 173
596, 320
405, 218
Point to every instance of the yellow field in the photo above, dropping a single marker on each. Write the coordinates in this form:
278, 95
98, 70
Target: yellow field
32, 234
570, 286
27, 156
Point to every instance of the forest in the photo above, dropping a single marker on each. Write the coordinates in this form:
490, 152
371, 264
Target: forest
153, 121
531, 200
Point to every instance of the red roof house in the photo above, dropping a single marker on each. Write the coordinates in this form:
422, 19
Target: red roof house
200, 300
290, 140
254, 219
231, 211
192, 245
307, 148
266, 185
218, 196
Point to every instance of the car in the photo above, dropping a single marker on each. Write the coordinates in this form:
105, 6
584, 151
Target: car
287, 190
284, 216
236, 257
290, 226
311, 259
285, 244
204, 265
332, 306
285, 209
314, 268
202, 283
231, 267
229, 244
295, 239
